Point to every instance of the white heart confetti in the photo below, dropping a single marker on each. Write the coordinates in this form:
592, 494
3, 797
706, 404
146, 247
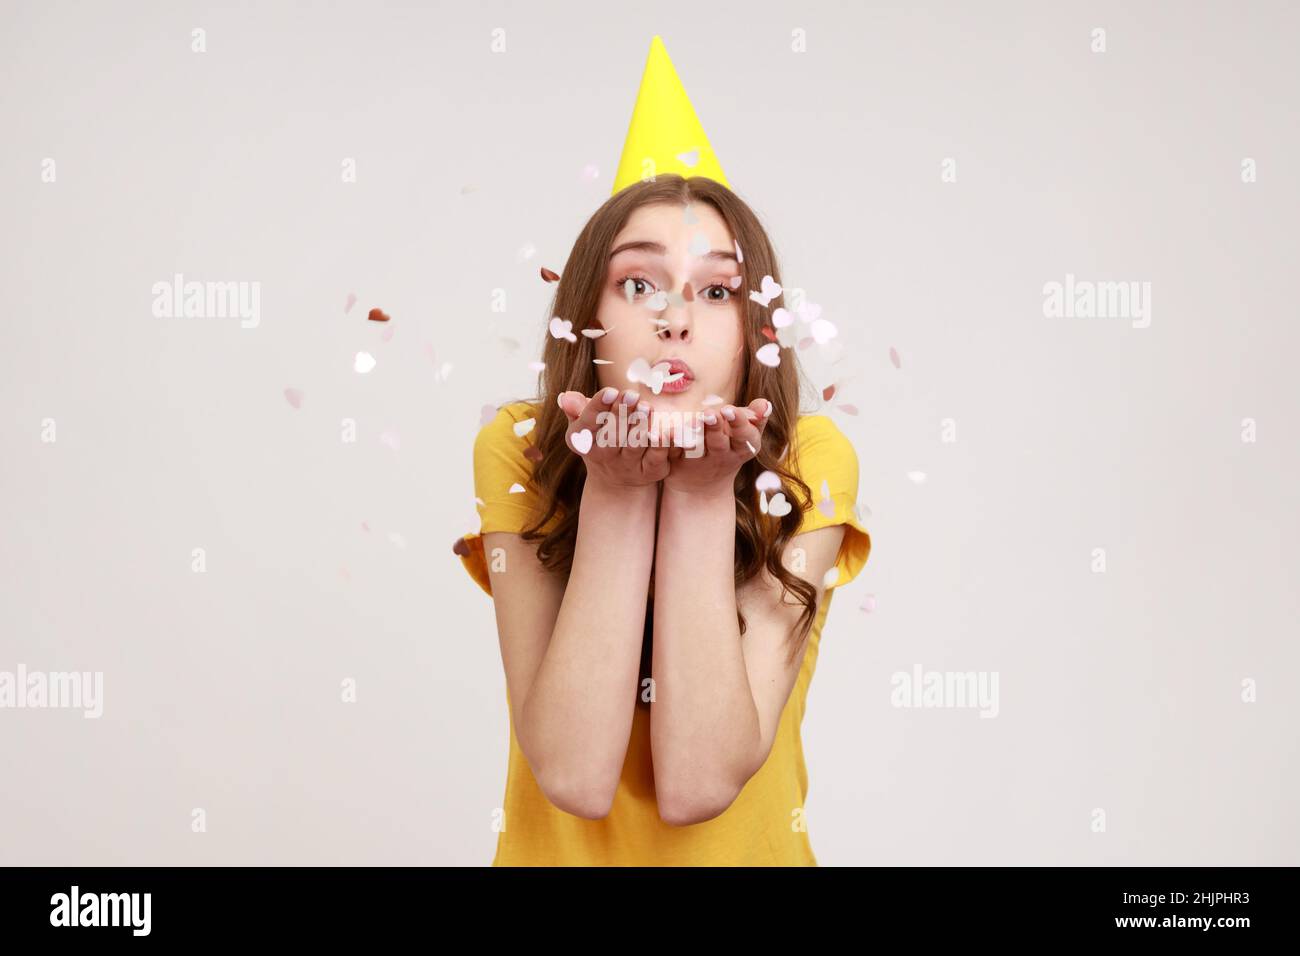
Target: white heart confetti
562, 329
778, 506
767, 292
363, 362
523, 427
768, 481
823, 331
582, 441
516, 489
769, 355
782, 317
830, 577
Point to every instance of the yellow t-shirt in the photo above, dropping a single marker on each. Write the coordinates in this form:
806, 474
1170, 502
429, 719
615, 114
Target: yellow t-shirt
765, 825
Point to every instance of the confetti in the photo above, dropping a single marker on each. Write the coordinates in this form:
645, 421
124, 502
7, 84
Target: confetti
769, 355
527, 251
688, 294
363, 362
536, 366
713, 400
830, 577
594, 333
740, 256
916, 476
549, 276
590, 172
690, 157
828, 392
516, 489
533, 453
781, 317
352, 300
768, 291
365, 526
562, 329
293, 396
868, 603
699, 244
392, 439
461, 547
768, 481
524, 426
582, 441
768, 333
893, 357
378, 315
735, 281
823, 331
688, 215
778, 507
848, 409
387, 334
602, 362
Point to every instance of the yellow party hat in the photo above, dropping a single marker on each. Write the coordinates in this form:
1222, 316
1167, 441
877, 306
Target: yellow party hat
665, 135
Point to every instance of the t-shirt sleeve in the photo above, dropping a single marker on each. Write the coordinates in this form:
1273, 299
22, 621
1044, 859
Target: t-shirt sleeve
503, 486
826, 460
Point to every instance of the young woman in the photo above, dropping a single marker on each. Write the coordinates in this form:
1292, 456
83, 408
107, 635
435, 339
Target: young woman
659, 608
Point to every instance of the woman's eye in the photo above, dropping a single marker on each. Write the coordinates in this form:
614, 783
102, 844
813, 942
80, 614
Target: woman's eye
628, 285
726, 293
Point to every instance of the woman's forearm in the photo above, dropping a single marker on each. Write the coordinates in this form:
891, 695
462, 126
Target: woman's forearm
704, 725
580, 706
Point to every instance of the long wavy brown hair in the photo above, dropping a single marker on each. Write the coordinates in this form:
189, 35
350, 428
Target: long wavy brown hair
559, 474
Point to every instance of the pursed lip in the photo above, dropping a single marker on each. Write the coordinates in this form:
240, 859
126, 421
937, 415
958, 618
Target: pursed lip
676, 365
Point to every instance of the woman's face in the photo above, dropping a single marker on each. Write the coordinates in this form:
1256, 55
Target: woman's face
686, 269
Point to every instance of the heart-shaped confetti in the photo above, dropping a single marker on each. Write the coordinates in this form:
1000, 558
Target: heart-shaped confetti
848, 409
690, 158
712, 399
893, 357
391, 439
868, 603
658, 302
769, 355
768, 333
781, 317
699, 244
524, 426
460, 547
527, 251
293, 396
735, 281
352, 300
486, 414
516, 489
828, 392
768, 291
830, 577
740, 256
916, 476
768, 481
533, 453
549, 276
378, 315
582, 441
778, 507
594, 333
590, 172
823, 331
562, 329
363, 362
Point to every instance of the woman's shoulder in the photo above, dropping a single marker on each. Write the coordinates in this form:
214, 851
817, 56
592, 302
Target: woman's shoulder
819, 446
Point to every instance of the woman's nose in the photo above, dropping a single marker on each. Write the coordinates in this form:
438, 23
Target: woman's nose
679, 318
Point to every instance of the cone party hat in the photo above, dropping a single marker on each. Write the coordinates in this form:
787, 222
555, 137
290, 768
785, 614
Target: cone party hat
665, 135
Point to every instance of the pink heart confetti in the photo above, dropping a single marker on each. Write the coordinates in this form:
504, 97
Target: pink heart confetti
868, 603
848, 409
293, 396
893, 357
769, 355
486, 414
387, 334
352, 300
768, 291
391, 439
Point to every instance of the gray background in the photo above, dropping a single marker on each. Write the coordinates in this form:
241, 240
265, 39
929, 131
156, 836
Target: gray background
1118, 691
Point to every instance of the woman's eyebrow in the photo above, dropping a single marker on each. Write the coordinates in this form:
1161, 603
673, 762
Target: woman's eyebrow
658, 248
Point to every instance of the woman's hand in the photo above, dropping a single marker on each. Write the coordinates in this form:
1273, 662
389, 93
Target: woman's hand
614, 466
732, 435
